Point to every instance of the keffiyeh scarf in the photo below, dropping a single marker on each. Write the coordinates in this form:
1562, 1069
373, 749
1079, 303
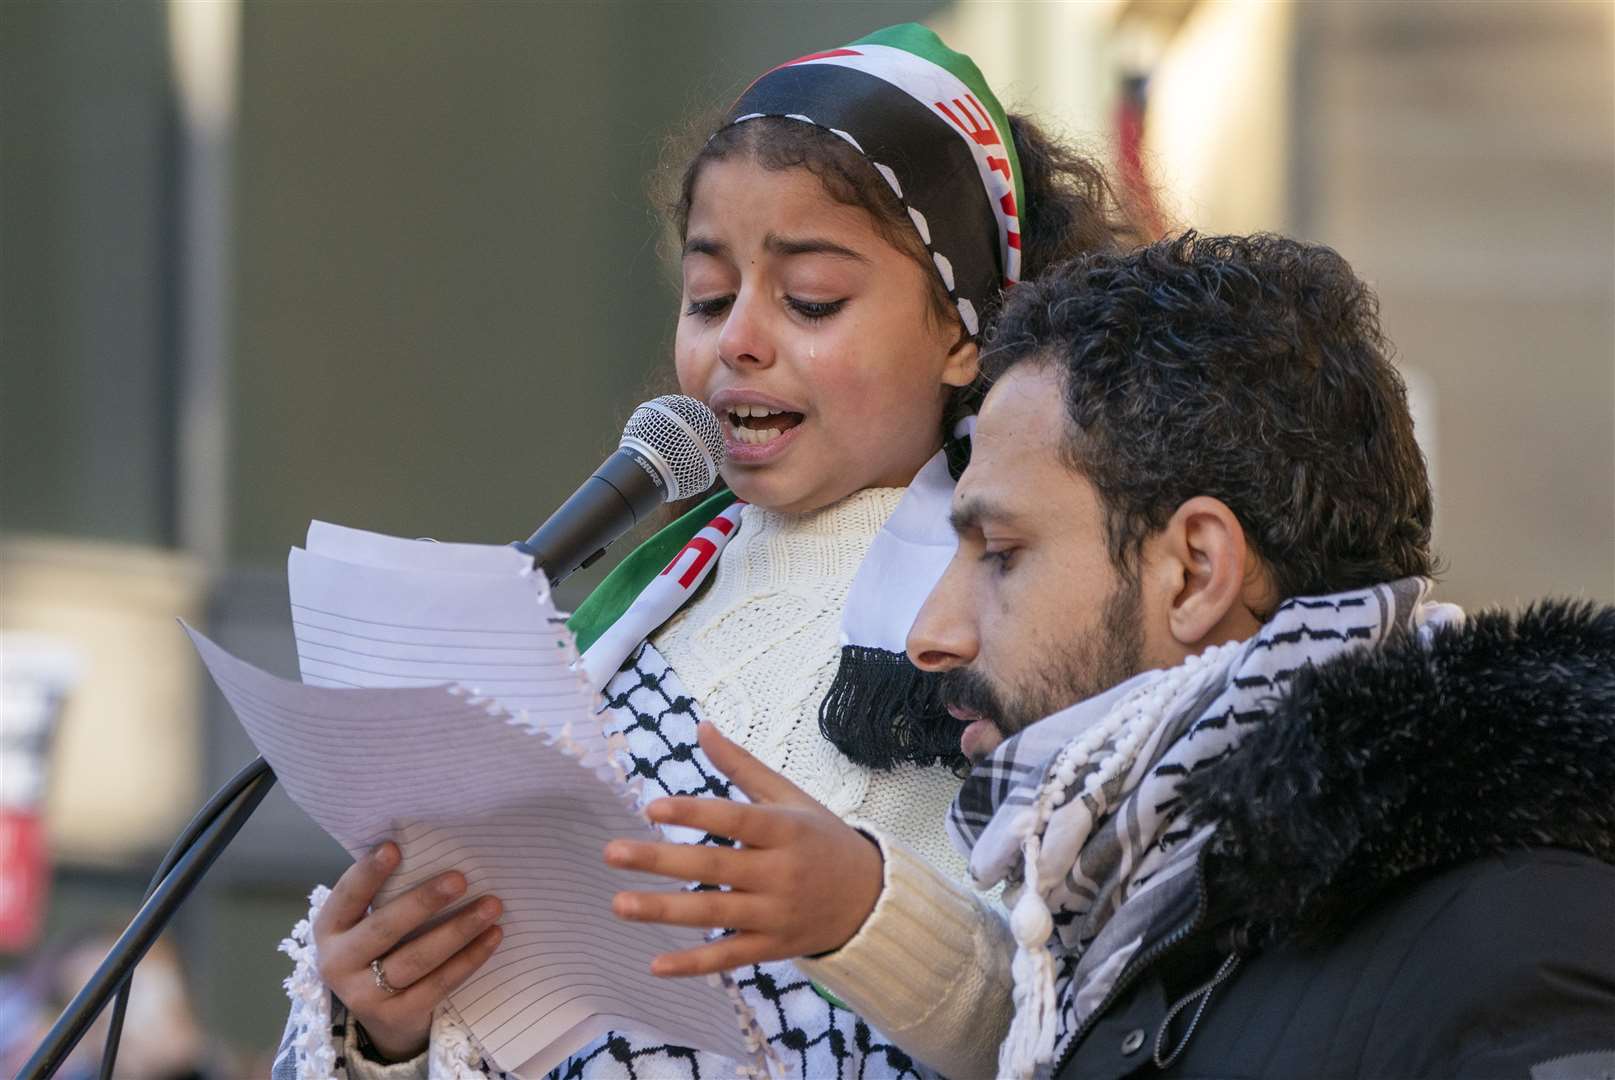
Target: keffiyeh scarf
1079, 814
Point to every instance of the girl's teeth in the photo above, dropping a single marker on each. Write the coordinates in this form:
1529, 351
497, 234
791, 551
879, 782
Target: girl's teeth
745, 432
755, 436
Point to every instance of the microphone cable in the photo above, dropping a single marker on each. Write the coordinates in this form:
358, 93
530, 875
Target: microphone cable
195, 850
203, 818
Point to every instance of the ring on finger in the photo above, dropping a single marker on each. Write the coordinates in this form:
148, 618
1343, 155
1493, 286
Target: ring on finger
381, 977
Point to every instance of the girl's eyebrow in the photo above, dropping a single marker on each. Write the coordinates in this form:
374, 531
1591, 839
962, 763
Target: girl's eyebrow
700, 245
784, 245
776, 245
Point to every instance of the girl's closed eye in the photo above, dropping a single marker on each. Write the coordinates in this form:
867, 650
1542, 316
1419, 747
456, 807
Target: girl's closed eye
709, 308
814, 310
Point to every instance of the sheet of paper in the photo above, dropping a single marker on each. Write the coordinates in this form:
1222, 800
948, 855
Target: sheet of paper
497, 634
377, 549
459, 784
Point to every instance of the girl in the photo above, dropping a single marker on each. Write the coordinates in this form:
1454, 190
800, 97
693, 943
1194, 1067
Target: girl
846, 233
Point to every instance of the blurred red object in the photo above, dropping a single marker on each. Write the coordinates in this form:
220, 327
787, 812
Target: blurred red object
1136, 189
24, 878
34, 683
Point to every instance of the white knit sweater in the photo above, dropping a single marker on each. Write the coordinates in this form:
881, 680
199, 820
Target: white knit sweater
760, 646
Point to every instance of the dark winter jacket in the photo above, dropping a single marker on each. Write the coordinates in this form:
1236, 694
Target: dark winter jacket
1414, 875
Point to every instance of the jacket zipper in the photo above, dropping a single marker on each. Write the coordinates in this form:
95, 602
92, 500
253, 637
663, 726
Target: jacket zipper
1224, 971
1142, 964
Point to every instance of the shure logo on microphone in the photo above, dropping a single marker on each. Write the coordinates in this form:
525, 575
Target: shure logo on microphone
650, 470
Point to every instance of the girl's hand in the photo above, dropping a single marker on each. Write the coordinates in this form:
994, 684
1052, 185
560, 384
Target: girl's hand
348, 936
802, 884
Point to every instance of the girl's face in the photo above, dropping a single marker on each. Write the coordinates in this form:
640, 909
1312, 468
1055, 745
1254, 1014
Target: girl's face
811, 337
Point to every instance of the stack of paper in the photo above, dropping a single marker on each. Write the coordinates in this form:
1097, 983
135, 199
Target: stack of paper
439, 710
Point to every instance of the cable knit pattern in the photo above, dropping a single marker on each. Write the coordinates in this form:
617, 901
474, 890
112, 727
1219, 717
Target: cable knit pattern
929, 967
760, 647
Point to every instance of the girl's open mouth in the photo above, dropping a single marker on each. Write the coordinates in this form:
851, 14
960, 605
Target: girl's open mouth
758, 425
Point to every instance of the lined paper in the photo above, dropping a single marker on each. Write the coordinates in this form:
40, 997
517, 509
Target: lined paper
460, 784
378, 549
373, 610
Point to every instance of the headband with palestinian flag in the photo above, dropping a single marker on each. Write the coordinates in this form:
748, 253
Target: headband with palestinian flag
924, 117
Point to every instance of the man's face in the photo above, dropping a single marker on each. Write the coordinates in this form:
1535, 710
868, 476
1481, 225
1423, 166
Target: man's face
1031, 615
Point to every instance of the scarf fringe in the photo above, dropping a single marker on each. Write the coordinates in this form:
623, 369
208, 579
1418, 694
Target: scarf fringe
452, 1051
314, 1052
882, 711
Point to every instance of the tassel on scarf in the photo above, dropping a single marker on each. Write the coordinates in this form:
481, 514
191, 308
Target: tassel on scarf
1032, 1033
882, 712
1030, 1042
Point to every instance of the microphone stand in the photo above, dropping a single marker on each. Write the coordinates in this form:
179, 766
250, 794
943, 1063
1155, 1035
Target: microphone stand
203, 840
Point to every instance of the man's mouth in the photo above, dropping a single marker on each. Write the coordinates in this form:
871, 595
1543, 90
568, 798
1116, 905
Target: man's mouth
980, 735
759, 425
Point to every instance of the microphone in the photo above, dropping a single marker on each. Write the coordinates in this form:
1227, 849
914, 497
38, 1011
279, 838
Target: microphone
671, 449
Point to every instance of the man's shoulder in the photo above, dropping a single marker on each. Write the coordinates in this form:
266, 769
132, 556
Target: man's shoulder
1486, 967
1496, 964
1421, 760
1515, 904
1486, 928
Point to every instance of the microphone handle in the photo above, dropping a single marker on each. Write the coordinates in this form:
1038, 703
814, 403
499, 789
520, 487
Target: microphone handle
609, 503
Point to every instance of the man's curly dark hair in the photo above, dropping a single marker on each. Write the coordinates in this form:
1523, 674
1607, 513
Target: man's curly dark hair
1248, 368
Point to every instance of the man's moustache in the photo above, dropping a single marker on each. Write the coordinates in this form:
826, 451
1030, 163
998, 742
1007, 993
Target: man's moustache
966, 690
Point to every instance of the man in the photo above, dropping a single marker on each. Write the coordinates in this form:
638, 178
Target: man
1408, 871
1262, 808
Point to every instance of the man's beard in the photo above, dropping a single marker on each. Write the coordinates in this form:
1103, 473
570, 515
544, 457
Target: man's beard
1075, 669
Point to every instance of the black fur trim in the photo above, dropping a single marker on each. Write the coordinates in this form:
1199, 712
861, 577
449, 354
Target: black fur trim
882, 712
1390, 763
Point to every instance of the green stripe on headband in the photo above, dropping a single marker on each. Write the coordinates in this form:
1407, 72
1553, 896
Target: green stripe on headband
923, 42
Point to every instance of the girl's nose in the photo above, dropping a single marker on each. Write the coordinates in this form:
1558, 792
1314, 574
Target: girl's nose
744, 340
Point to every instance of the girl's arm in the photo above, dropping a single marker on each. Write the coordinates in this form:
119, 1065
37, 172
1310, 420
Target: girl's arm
923, 959
929, 968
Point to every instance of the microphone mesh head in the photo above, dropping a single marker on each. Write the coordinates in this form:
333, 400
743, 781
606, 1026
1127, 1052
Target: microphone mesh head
684, 436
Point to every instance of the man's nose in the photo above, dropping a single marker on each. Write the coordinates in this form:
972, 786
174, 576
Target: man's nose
745, 341
943, 636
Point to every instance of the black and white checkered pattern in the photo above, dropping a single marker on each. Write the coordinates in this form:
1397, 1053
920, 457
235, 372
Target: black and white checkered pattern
816, 1040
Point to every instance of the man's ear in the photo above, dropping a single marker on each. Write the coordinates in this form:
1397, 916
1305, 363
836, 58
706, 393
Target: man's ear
963, 364
1201, 560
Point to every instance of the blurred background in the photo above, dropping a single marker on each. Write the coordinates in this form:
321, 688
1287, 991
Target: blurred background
394, 265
